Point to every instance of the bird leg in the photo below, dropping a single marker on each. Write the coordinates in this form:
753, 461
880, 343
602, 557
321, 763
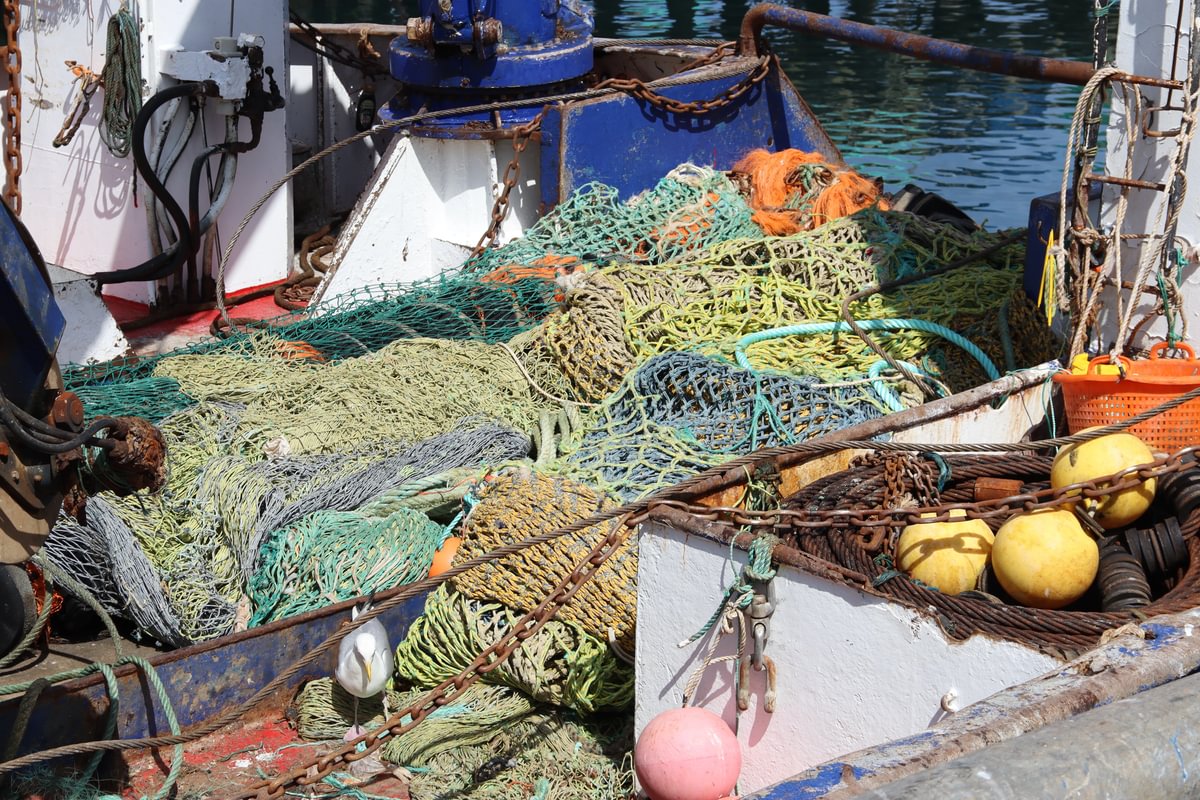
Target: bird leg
386, 714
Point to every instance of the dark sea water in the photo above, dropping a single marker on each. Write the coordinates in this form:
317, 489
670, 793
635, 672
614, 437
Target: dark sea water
985, 142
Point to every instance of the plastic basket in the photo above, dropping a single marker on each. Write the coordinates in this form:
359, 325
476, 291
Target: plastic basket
1094, 399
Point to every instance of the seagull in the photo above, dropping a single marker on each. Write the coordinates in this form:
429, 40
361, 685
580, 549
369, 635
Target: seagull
364, 663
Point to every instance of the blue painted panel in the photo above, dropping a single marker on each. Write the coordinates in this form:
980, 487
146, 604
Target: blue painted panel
31, 323
815, 783
202, 681
630, 144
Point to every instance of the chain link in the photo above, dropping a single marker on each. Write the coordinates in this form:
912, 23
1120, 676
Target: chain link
325, 47
448, 691
12, 107
786, 521
522, 135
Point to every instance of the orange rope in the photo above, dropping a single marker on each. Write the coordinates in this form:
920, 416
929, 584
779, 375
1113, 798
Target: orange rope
775, 177
298, 351
38, 582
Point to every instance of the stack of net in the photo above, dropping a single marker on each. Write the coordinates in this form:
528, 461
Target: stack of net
408, 390
562, 664
522, 504
454, 306
492, 743
689, 210
514, 724
178, 563
708, 303
680, 413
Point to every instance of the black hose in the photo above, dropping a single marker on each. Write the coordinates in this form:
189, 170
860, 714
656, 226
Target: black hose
86, 436
170, 259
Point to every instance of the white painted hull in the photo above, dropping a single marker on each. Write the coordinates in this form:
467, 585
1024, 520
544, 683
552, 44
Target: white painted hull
854, 670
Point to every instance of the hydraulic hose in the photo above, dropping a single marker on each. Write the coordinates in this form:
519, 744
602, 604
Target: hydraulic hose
168, 260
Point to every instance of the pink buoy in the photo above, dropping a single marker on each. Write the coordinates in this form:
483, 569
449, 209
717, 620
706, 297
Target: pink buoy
687, 754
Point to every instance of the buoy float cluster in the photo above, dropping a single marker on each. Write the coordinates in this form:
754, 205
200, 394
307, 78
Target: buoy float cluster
1043, 558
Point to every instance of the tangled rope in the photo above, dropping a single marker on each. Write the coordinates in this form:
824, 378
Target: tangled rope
122, 81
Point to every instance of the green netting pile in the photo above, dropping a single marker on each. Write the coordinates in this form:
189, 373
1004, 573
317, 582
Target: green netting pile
689, 210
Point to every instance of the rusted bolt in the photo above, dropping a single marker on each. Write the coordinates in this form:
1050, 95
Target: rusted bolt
420, 31
67, 411
4, 450
490, 31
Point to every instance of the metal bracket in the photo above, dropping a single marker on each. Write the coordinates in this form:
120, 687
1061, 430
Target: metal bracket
758, 624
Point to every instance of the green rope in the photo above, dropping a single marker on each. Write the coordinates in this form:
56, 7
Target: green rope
122, 80
56, 577
868, 325
740, 593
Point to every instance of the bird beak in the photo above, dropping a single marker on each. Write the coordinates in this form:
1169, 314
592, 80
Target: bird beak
368, 666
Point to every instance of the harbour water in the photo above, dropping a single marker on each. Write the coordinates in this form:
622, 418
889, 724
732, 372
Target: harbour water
985, 142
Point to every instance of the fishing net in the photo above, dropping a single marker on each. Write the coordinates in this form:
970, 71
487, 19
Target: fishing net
409, 390
680, 413
332, 556
740, 287
561, 664
490, 744
521, 504
793, 191
180, 560
690, 209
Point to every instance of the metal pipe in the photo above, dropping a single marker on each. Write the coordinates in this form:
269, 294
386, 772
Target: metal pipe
1145, 746
940, 51
355, 29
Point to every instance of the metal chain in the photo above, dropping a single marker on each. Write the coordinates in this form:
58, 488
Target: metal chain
640, 90
12, 107
325, 47
86, 83
404, 720
522, 135
785, 521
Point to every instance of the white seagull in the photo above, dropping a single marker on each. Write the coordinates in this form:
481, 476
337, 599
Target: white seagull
364, 663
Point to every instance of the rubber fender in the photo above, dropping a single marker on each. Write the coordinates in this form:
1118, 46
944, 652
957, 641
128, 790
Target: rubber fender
915, 200
18, 608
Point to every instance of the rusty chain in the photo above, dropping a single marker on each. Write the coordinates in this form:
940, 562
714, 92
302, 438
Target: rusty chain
785, 521
86, 83
12, 107
522, 134
317, 769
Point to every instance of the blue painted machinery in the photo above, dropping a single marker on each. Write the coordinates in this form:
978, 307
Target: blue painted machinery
463, 53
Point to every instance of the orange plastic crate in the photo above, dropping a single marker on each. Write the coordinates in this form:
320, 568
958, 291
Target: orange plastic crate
1095, 399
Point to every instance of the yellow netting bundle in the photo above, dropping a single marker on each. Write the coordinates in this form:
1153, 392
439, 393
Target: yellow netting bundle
410, 390
562, 664
523, 504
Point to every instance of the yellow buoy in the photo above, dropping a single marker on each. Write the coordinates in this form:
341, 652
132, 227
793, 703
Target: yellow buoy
1099, 458
1044, 559
946, 555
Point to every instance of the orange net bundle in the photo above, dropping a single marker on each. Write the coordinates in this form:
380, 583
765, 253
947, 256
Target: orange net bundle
549, 268
793, 191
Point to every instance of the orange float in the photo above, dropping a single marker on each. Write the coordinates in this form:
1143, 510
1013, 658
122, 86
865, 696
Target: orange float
444, 557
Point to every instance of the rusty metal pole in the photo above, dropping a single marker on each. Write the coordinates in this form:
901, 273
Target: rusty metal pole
940, 51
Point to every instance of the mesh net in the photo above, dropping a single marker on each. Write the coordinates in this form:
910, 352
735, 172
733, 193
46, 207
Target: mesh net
690, 209
680, 413
561, 665
523, 504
